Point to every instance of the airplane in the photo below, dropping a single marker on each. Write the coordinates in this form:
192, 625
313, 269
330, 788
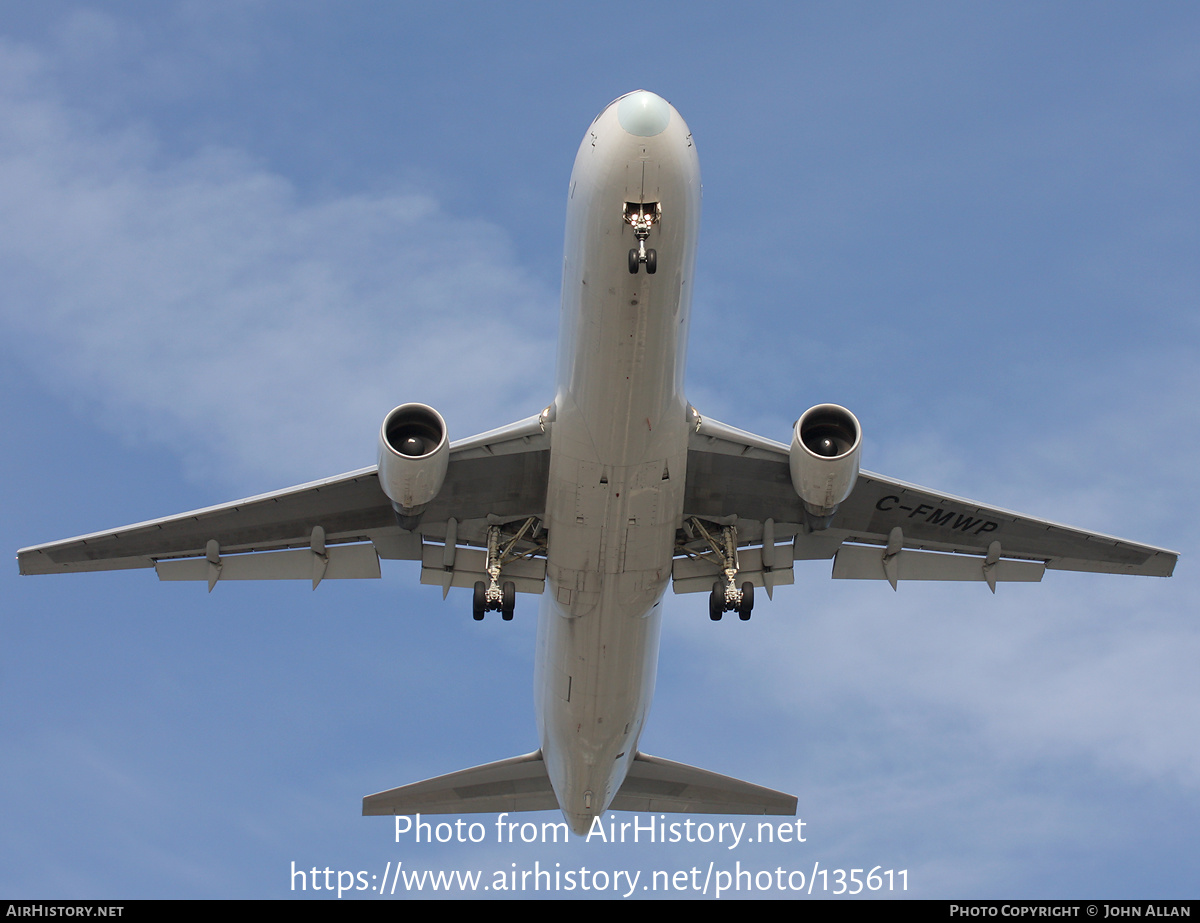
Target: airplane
615, 491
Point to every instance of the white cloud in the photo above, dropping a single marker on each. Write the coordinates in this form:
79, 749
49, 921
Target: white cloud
207, 303
1064, 672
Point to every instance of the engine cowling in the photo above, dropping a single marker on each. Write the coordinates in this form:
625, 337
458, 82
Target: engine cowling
824, 456
414, 451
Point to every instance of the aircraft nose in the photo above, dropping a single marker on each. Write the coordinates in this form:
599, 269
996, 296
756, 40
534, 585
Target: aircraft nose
643, 114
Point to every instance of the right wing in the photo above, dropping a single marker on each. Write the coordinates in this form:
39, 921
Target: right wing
886, 529
338, 527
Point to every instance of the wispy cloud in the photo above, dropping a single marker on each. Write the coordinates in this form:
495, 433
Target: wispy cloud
203, 302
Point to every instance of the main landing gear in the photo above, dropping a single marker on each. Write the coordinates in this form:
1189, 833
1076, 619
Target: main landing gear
642, 216
725, 595
492, 595
505, 600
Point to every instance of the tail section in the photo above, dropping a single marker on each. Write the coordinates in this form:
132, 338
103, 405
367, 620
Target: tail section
521, 783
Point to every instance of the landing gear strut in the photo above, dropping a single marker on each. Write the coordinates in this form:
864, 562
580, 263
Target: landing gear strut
494, 596
725, 595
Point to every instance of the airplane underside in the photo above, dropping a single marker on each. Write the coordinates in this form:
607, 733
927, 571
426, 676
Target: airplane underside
616, 491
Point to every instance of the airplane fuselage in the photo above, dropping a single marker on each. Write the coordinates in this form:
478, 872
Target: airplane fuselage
618, 446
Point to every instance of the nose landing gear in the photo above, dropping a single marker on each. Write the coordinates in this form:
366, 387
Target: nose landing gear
643, 254
641, 216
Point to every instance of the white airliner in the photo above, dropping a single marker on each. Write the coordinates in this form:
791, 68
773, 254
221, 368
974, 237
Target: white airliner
616, 490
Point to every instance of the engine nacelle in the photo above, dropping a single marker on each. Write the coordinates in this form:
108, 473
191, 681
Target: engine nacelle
824, 456
413, 454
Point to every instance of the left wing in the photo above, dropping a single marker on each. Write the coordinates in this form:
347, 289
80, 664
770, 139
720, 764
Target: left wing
735, 477
338, 527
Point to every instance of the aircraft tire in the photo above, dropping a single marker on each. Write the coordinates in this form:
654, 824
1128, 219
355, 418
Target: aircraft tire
479, 602
633, 261
716, 602
651, 261
747, 605
508, 600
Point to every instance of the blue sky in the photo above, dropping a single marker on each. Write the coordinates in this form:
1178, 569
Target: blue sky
237, 234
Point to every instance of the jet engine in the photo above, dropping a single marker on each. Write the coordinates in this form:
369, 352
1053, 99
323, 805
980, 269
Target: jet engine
413, 454
826, 445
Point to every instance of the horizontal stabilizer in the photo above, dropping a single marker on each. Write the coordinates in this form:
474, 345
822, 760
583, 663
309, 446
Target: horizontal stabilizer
654, 784
516, 784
